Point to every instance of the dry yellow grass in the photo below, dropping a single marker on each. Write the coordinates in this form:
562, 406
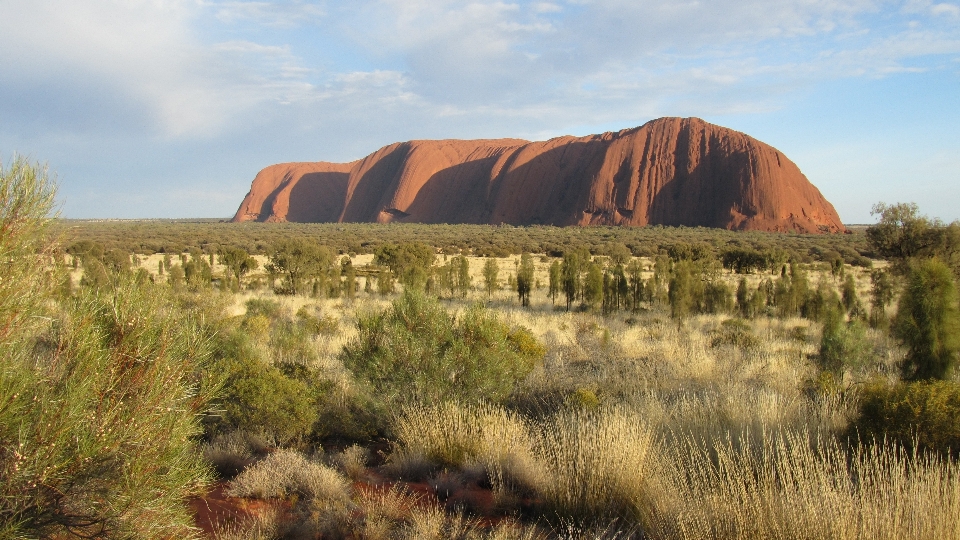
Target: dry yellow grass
689, 439
449, 434
792, 486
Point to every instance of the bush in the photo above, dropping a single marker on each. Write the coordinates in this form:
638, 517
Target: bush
101, 419
284, 473
842, 345
922, 415
260, 398
99, 397
415, 352
736, 333
928, 321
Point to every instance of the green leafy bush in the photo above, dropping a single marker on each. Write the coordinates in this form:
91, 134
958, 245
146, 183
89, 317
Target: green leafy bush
928, 321
99, 397
843, 345
922, 415
415, 352
98, 422
258, 397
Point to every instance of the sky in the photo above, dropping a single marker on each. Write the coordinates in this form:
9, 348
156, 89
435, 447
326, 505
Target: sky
169, 108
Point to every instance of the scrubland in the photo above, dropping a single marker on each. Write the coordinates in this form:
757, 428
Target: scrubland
630, 425
687, 386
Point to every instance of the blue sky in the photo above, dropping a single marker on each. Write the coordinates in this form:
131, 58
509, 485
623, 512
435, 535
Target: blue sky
168, 108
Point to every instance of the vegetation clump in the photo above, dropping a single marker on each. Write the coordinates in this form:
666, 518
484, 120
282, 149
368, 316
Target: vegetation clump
415, 352
100, 393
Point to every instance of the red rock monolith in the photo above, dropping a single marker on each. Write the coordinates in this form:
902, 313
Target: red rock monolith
670, 171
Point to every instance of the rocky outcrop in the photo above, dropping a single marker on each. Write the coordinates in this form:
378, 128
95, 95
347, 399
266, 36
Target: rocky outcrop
670, 171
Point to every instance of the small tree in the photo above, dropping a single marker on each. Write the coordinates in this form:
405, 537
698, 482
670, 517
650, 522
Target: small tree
842, 345
928, 321
237, 261
296, 260
525, 279
743, 298
491, 271
570, 269
902, 232
464, 281
556, 281
410, 262
593, 285
634, 272
349, 277
681, 293
849, 296
385, 282
881, 295
619, 254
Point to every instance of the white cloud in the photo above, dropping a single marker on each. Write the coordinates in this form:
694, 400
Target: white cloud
147, 54
356, 74
945, 9
277, 14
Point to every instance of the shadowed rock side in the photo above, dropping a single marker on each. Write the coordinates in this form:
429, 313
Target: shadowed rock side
302, 192
671, 171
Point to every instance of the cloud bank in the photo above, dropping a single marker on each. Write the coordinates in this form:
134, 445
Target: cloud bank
198, 94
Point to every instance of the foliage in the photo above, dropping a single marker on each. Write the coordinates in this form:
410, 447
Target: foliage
791, 292
175, 236
410, 261
415, 352
881, 295
843, 345
593, 285
744, 261
924, 415
685, 290
849, 296
490, 272
455, 276
273, 394
97, 420
717, 297
525, 279
571, 269
98, 397
616, 291
927, 322
903, 233
238, 261
297, 260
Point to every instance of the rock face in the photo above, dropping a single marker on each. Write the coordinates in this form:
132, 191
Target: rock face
670, 171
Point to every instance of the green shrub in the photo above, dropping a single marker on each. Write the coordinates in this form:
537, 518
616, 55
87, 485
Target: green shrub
99, 397
260, 398
270, 309
292, 343
922, 415
843, 345
415, 352
717, 298
928, 321
102, 417
314, 322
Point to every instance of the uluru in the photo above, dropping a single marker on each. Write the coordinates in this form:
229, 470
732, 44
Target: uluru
669, 171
